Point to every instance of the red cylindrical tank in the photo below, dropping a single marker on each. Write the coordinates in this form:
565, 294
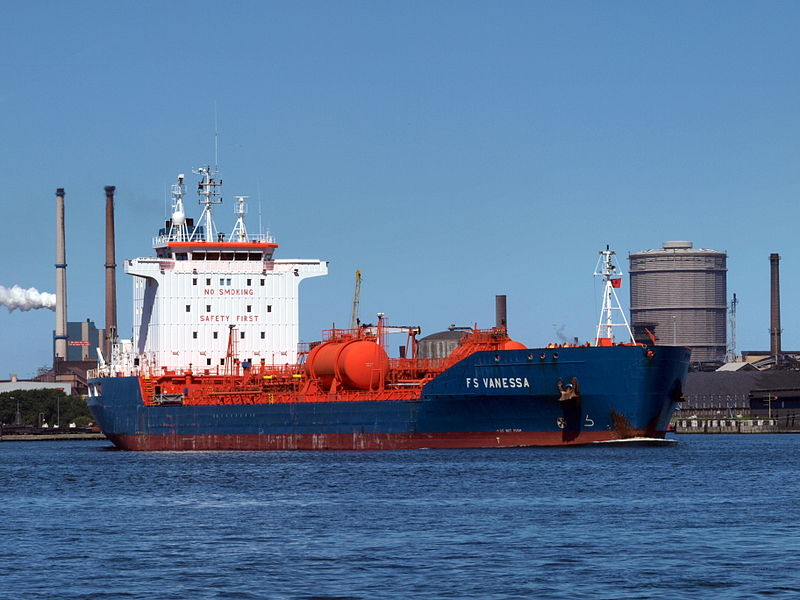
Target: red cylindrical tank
512, 345
321, 363
355, 364
361, 365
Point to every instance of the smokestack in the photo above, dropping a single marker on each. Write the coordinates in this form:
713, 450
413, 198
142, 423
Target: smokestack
500, 312
60, 337
775, 307
111, 276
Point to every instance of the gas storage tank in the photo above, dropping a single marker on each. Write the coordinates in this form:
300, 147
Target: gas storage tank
679, 294
354, 364
440, 344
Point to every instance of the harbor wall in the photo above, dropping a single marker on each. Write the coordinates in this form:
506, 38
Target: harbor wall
783, 425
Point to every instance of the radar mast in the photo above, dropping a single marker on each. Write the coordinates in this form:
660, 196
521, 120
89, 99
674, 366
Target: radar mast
239, 233
178, 230
209, 196
612, 279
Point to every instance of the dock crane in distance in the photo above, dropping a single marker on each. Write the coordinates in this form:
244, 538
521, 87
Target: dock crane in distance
354, 321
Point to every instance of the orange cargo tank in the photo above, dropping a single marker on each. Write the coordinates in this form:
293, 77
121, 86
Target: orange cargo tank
512, 345
354, 364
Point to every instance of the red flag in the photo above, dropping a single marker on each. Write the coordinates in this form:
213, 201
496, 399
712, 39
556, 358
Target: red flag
616, 283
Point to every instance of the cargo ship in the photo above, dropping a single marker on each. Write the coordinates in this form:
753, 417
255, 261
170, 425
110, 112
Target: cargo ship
215, 363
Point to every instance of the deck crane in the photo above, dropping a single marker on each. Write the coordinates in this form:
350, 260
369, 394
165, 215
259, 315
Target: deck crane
356, 294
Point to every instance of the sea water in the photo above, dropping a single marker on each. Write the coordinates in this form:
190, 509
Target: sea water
706, 517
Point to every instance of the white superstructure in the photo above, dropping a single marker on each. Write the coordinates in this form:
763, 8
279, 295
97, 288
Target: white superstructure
201, 292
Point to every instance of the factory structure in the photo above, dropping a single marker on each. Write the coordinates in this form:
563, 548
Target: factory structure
77, 346
679, 298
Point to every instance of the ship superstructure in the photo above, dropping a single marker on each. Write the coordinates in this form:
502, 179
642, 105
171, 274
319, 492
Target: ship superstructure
203, 293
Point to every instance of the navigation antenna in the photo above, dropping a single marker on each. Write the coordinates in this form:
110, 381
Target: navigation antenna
216, 138
239, 233
612, 279
178, 230
207, 190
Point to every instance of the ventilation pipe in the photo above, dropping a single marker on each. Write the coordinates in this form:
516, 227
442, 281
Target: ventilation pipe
501, 321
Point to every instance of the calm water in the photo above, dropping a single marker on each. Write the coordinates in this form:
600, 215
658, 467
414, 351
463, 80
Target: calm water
709, 517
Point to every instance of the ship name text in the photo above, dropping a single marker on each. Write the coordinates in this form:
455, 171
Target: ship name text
498, 382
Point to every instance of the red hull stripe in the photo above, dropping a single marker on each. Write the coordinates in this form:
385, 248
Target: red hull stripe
361, 441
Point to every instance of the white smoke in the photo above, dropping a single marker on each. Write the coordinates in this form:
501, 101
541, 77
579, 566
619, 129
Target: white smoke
17, 297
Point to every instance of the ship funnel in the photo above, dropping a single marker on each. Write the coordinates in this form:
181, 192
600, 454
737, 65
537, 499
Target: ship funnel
110, 336
60, 337
775, 307
500, 314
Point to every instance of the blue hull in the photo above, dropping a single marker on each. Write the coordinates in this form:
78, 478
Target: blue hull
504, 398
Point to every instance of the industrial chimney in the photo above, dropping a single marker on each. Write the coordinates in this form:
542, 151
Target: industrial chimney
111, 276
775, 308
60, 337
501, 321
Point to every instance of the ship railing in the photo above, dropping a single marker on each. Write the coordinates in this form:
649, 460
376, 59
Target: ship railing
164, 239
289, 371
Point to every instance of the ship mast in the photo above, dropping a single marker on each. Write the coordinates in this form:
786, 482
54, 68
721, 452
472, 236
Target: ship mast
178, 230
239, 233
612, 279
207, 190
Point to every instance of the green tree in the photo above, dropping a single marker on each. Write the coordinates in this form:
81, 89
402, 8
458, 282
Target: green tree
53, 406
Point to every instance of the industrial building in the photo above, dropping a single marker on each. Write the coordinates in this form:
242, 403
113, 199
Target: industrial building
679, 297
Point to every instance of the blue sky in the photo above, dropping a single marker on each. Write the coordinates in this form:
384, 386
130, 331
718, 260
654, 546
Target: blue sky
450, 150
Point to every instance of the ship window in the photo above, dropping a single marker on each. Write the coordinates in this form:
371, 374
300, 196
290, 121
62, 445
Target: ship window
215, 335
208, 362
269, 307
208, 281
188, 307
194, 335
241, 256
199, 255
208, 308
181, 256
262, 283
255, 256
222, 362
249, 282
194, 280
226, 255
228, 281
263, 335
249, 308
212, 256
221, 281
241, 335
